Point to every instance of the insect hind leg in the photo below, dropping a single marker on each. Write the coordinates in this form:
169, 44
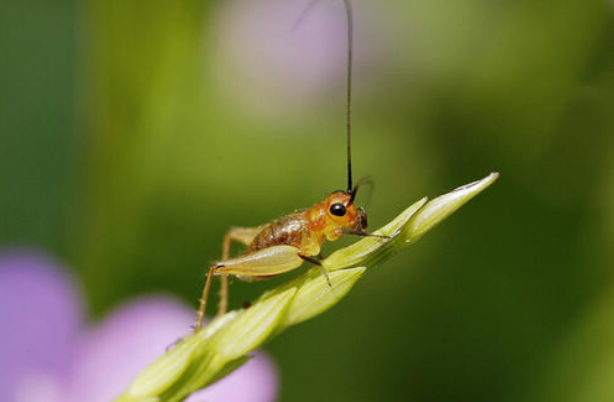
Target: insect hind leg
267, 262
205, 296
243, 235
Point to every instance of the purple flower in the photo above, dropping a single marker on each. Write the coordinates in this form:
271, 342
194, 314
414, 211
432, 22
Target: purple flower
47, 354
261, 57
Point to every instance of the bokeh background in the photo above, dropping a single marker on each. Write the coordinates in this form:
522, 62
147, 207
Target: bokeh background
134, 133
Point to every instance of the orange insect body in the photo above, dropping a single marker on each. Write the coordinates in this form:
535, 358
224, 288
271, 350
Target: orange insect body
307, 229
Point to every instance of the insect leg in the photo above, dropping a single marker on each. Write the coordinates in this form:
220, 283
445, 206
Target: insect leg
269, 261
363, 234
266, 262
242, 235
205, 296
317, 262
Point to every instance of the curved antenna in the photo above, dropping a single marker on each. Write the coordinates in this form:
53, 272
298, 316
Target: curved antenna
348, 109
361, 183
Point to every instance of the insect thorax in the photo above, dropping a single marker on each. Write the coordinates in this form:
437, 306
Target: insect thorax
291, 230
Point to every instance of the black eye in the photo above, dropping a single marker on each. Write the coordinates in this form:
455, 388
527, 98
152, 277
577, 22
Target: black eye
337, 209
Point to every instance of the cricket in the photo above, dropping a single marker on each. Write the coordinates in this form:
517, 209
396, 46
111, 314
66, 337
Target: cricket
286, 243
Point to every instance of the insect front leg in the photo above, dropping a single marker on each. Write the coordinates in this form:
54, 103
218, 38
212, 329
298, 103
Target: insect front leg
318, 262
266, 262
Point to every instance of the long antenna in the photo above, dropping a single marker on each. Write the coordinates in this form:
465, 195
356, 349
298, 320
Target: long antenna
348, 108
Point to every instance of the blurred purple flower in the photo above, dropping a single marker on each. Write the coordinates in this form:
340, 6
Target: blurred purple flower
46, 354
261, 59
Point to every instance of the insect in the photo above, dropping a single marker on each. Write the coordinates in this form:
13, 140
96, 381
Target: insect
284, 244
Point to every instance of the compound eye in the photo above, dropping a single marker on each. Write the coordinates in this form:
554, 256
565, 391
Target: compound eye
337, 209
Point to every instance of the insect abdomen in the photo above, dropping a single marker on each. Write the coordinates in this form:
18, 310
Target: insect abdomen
289, 230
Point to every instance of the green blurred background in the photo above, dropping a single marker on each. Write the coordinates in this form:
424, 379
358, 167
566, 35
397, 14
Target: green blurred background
134, 133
